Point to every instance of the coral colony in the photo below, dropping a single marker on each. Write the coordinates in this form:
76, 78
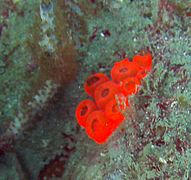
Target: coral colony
101, 116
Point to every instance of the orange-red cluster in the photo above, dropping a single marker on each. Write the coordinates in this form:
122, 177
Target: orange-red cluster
101, 116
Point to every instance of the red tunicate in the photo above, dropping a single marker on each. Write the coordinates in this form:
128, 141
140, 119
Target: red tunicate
130, 86
124, 69
96, 127
83, 110
105, 92
100, 119
94, 81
